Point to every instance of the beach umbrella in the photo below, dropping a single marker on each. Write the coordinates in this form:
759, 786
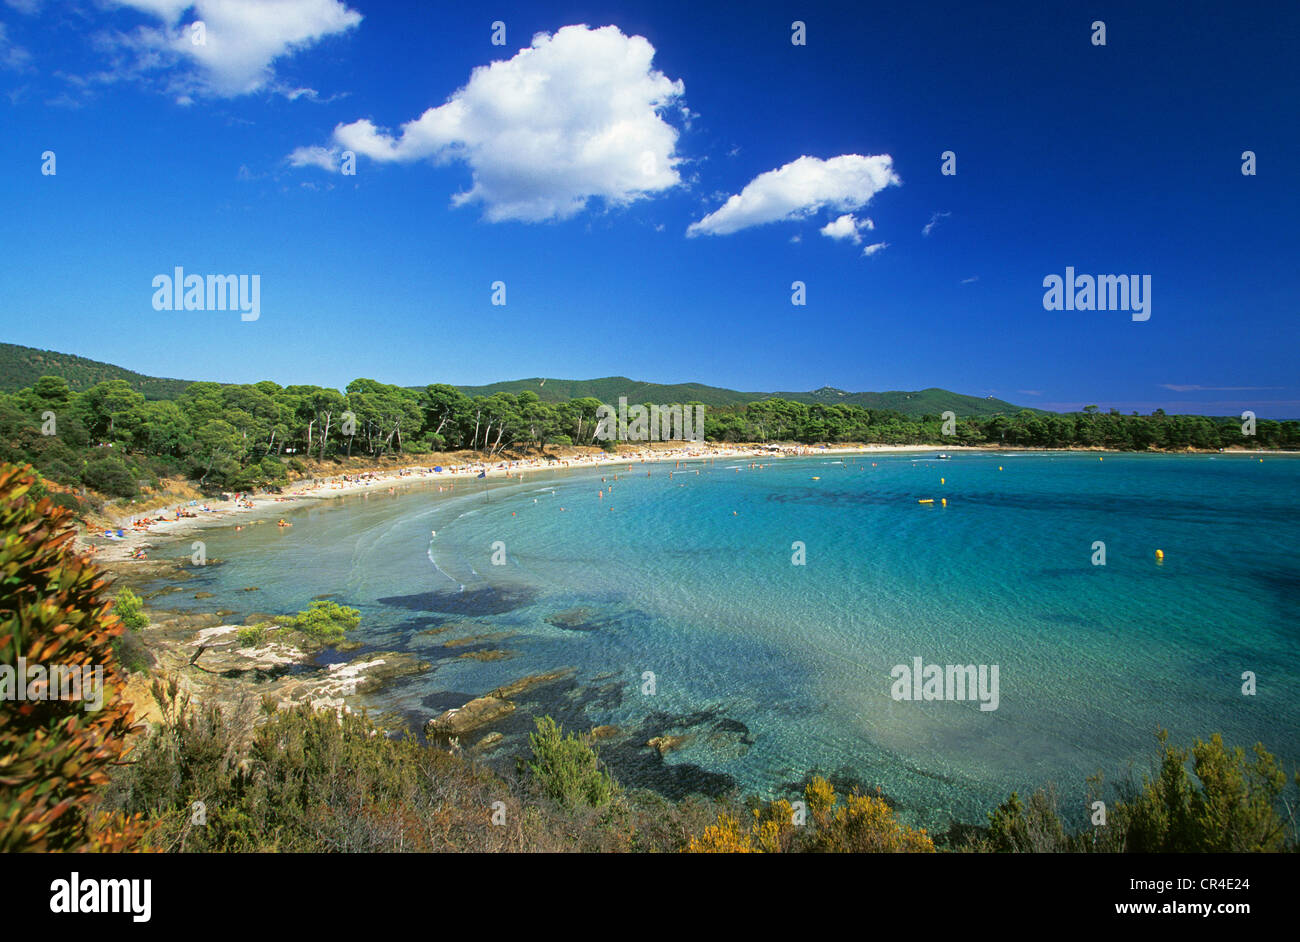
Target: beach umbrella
437, 467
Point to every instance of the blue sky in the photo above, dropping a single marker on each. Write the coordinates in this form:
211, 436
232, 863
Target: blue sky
1123, 158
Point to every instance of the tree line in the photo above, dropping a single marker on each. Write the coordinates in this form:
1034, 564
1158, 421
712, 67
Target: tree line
114, 440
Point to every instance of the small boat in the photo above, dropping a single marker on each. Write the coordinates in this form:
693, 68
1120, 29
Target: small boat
943, 457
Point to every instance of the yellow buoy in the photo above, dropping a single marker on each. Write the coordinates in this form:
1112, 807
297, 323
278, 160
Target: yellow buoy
816, 478
943, 501
940, 480
999, 467
1160, 554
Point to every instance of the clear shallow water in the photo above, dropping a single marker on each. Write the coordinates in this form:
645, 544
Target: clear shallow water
787, 668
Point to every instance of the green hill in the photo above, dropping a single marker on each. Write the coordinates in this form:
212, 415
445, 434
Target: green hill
23, 366
610, 388
931, 401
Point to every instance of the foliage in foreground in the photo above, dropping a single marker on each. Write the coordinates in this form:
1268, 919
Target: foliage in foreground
1220, 801
54, 753
305, 781
857, 824
566, 769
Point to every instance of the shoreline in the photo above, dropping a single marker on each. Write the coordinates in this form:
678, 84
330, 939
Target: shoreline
232, 676
230, 510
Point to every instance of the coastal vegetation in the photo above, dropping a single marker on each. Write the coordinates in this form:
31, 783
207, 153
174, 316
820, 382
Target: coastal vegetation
308, 781
55, 756
300, 779
324, 623
113, 440
130, 609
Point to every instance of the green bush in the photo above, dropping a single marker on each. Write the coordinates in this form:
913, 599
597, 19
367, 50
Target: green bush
566, 769
251, 636
324, 622
1015, 828
307, 782
273, 471
109, 475
130, 608
1225, 804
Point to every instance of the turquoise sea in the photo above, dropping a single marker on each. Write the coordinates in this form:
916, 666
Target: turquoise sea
773, 670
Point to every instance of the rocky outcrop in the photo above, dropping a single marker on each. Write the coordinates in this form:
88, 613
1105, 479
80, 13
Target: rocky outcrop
525, 684
478, 712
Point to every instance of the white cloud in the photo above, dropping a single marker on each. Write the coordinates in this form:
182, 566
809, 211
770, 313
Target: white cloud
30, 7
934, 221
1193, 387
12, 56
800, 188
327, 158
874, 248
847, 227
241, 40
575, 116
971, 280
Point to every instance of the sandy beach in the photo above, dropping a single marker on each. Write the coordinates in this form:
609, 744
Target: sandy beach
149, 530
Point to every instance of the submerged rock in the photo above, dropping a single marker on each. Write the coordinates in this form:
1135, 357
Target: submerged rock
666, 744
477, 639
575, 619
488, 654
524, 684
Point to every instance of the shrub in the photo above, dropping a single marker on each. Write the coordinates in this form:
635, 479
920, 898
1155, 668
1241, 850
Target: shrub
566, 769
1036, 829
109, 475
860, 824
324, 622
129, 607
55, 754
1229, 807
251, 636
309, 782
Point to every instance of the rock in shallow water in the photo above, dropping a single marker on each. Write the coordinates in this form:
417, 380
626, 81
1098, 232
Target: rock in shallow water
478, 712
666, 744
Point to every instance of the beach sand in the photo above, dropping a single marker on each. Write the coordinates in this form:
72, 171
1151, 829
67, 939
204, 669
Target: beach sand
230, 512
